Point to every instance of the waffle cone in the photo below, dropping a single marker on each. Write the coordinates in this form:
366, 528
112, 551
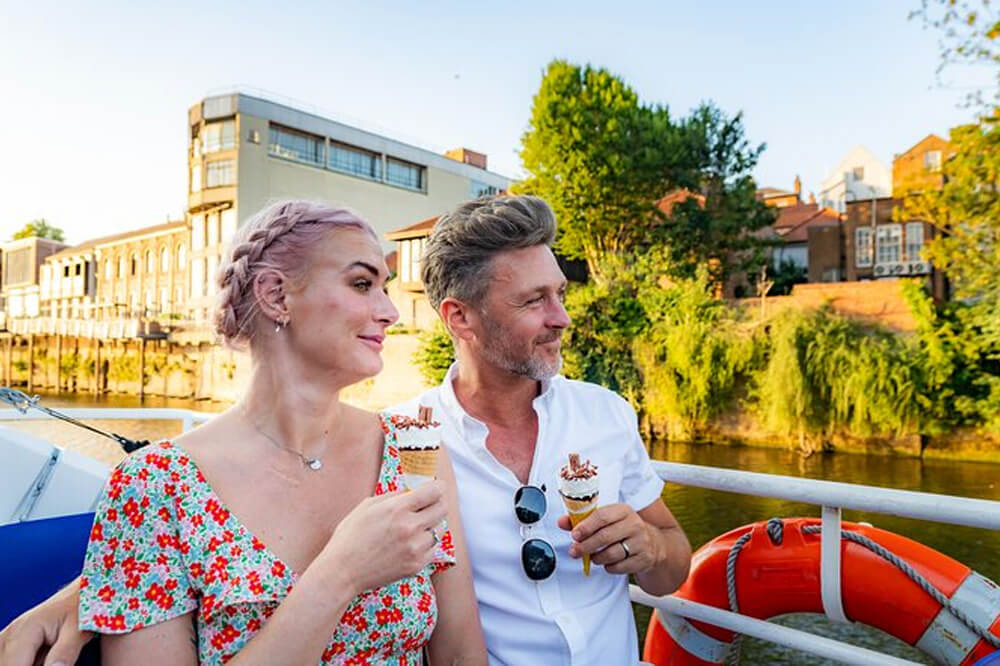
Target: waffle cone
419, 462
578, 510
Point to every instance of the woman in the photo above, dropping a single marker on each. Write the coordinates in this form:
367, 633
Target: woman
271, 534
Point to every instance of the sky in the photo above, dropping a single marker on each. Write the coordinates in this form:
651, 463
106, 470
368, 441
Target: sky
94, 96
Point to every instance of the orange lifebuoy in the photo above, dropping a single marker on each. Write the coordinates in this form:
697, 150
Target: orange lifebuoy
777, 578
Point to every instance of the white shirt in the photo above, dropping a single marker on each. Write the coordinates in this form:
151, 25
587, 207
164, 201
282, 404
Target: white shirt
568, 618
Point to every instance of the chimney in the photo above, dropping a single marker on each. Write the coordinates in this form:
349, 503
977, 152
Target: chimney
798, 186
812, 198
466, 156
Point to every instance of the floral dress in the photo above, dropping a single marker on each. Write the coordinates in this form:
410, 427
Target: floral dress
164, 544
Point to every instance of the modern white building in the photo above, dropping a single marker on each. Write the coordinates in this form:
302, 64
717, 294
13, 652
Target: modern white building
857, 177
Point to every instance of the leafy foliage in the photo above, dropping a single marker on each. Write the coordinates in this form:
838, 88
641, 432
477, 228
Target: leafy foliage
41, 229
435, 354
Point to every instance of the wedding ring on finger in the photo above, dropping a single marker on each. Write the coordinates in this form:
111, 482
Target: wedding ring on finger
628, 553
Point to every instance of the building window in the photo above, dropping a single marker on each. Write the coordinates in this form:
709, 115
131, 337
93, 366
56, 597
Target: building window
478, 189
164, 260
150, 263
66, 270
295, 145
932, 160
863, 247
181, 257
107, 269
196, 178
227, 221
888, 244
121, 267
355, 161
404, 261
164, 299
220, 173
212, 227
78, 269
135, 265
197, 232
219, 136
858, 173
914, 240
404, 174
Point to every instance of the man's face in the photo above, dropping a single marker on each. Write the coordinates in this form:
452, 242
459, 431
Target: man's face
522, 315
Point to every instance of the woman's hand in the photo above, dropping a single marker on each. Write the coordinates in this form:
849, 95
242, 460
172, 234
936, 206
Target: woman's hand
47, 631
383, 539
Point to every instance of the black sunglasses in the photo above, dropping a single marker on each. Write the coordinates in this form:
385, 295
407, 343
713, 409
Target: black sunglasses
538, 557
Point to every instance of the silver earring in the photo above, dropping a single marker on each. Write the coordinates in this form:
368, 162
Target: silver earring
280, 324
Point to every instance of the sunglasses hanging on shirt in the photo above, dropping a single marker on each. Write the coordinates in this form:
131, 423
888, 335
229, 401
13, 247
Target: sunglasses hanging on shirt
538, 557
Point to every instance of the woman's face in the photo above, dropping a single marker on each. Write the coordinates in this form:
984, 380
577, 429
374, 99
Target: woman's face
339, 314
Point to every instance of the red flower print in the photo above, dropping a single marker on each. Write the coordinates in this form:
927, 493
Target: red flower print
117, 623
404, 589
278, 569
257, 544
133, 603
387, 600
144, 503
228, 536
132, 582
113, 543
84, 582
197, 520
111, 514
143, 474
109, 561
162, 559
235, 551
333, 650
169, 489
213, 544
164, 514
253, 625
135, 519
424, 605
106, 593
97, 532
184, 460
165, 444
196, 569
171, 584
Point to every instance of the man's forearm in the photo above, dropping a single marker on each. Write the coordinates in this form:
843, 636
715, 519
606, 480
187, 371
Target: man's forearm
673, 561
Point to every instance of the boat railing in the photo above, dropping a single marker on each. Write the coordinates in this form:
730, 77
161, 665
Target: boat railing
832, 497
188, 417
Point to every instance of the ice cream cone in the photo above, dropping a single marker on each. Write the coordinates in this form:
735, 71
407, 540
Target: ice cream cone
578, 487
578, 510
418, 466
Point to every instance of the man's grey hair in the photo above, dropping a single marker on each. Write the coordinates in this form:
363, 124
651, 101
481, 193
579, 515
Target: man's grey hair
457, 259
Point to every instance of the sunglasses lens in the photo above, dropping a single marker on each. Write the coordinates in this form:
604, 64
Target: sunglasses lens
529, 504
538, 559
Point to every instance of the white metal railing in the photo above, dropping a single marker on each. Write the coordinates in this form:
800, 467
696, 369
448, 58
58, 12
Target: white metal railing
188, 417
832, 496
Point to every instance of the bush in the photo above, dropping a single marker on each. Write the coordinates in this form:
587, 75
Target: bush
435, 354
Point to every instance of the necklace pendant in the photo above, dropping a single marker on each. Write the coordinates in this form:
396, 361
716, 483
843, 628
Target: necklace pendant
315, 464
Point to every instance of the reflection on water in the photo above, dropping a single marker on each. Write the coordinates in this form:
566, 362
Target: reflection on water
705, 514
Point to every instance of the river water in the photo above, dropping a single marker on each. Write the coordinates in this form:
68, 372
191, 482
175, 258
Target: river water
705, 514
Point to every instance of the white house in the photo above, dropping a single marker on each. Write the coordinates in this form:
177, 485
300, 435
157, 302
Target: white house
859, 176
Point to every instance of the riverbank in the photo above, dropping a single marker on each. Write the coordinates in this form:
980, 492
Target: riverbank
967, 445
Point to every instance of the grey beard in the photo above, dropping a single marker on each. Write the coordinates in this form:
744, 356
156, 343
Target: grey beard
531, 368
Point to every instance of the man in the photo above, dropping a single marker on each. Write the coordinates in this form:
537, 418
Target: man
510, 420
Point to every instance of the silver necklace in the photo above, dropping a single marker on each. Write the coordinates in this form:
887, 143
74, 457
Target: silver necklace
314, 464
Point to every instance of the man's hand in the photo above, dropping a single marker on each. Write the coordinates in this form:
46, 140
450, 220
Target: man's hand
601, 536
648, 543
47, 634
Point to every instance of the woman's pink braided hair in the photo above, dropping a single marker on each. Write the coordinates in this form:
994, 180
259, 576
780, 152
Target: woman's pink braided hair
281, 237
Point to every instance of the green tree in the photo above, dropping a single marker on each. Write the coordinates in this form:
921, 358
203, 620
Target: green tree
715, 227
41, 229
967, 212
601, 160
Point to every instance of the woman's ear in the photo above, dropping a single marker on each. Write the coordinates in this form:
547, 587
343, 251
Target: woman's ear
459, 318
269, 292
